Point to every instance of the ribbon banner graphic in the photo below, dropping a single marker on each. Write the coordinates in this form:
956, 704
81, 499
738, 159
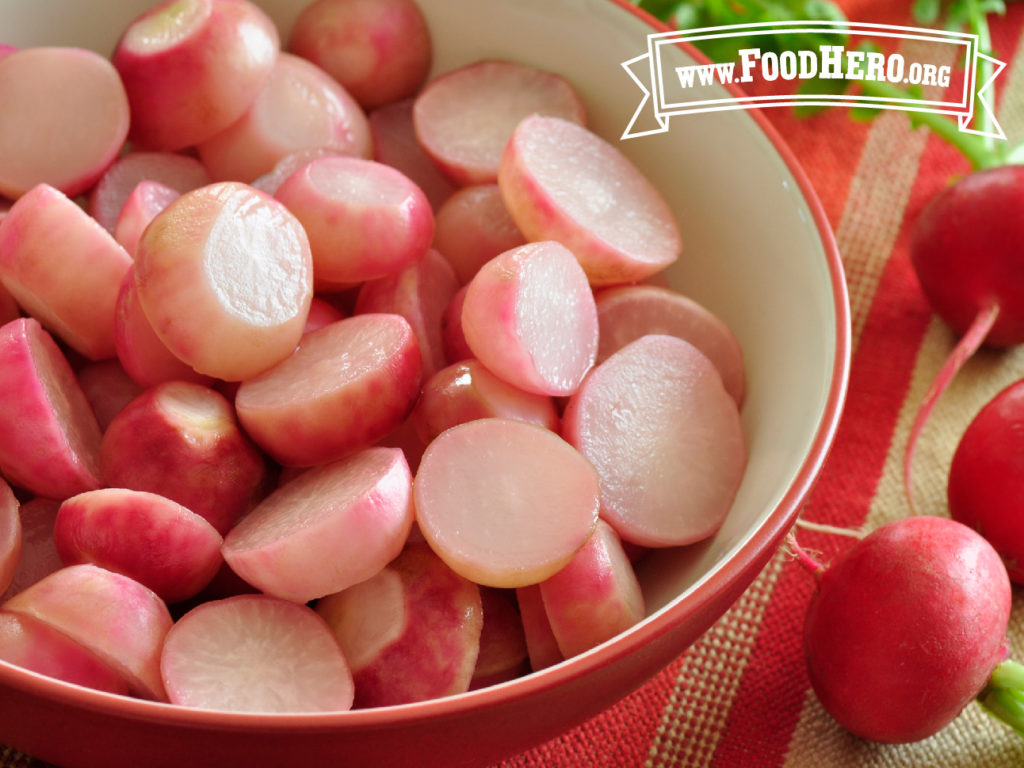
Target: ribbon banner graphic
909, 80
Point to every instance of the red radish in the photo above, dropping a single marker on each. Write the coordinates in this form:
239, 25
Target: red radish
464, 118
10, 536
906, 628
562, 182
453, 339
224, 275
301, 107
192, 67
50, 437
529, 316
143, 204
46, 92
329, 528
541, 645
112, 615
364, 219
665, 438
181, 440
348, 384
472, 227
466, 391
420, 293
964, 249
255, 653
410, 633
505, 503
271, 181
150, 538
380, 50
51, 255
33, 645
627, 312
181, 173
395, 144
503, 655
39, 556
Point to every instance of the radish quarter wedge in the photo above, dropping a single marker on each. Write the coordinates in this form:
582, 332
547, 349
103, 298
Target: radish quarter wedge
505, 503
563, 182
255, 653
665, 438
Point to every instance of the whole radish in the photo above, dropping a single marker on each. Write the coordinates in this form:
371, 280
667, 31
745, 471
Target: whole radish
907, 627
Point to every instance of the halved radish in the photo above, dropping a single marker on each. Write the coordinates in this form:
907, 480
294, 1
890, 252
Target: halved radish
10, 536
472, 227
330, 527
255, 653
39, 556
464, 118
563, 182
665, 438
504, 502
143, 204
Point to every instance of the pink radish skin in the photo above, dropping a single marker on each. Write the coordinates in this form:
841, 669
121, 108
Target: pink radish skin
108, 388
301, 107
472, 227
51, 438
181, 173
113, 616
466, 391
45, 91
34, 646
562, 182
420, 293
503, 655
10, 536
39, 556
595, 597
665, 438
364, 220
465, 117
453, 339
150, 538
143, 204
348, 385
255, 653
410, 633
380, 50
192, 67
51, 255
225, 276
906, 627
181, 440
503, 502
625, 313
329, 528
529, 316
271, 181
541, 644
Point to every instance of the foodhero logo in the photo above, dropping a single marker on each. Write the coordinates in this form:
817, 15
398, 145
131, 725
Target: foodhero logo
918, 78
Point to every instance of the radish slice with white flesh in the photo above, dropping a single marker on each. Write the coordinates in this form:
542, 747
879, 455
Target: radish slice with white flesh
52, 253
505, 503
225, 276
665, 438
113, 616
627, 312
472, 227
51, 438
255, 653
192, 67
563, 182
327, 529
143, 204
301, 107
10, 536
39, 556
66, 117
464, 118
348, 385
529, 316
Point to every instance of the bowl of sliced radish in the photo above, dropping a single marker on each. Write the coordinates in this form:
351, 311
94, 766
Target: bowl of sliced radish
366, 398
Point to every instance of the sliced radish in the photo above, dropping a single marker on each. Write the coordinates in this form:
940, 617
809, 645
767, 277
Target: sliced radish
50, 437
472, 227
271, 181
665, 438
348, 384
503, 655
255, 653
143, 204
225, 276
10, 536
465, 117
39, 556
529, 316
541, 645
503, 502
301, 107
65, 119
562, 182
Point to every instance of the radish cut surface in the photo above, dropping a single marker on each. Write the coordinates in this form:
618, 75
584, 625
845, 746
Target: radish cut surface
503, 502
255, 653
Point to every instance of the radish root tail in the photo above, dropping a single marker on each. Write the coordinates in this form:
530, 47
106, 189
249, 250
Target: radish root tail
811, 565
